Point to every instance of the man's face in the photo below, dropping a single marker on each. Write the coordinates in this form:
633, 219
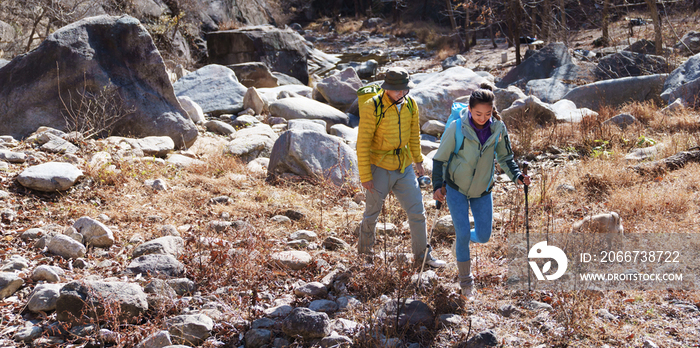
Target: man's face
396, 96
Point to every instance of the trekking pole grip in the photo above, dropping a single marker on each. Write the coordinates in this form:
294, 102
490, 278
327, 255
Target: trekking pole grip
526, 165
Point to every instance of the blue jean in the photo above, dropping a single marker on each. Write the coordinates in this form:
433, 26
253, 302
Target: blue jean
482, 210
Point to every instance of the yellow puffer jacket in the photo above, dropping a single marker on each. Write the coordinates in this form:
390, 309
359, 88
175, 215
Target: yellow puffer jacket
376, 144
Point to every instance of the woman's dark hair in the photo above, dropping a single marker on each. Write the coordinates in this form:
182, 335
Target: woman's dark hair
484, 95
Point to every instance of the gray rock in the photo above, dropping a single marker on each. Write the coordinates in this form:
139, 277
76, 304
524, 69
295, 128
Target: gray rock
334, 341
451, 320
282, 92
156, 264
66, 247
189, 329
436, 92
451, 62
641, 154
314, 155
649, 344
625, 64
286, 80
14, 263
281, 49
691, 40
372, 22
617, 91
540, 65
325, 306
156, 184
303, 108
182, 286
621, 120
245, 121
12, 157
345, 326
152, 146
312, 289
193, 110
219, 127
507, 310
684, 82
529, 108
44, 297
115, 52
307, 323
309, 125
160, 288
427, 147
346, 303
333, 243
344, 132
412, 312
340, 89
215, 88
281, 219
433, 127
281, 311
254, 75
58, 145
251, 143
365, 70
48, 177
548, 90
163, 245
159, 339
566, 111
506, 96
303, 234
484, 339
81, 263
80, 299
182, 161
28, 333
263, 323
51, 274
642, 46
94, 232
256, 338
255, 101
675, 107
294, 260
536, 305
9, 283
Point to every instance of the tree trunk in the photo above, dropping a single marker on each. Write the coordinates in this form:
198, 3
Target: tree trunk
534, 31
547, 20
606, 11
564, 29
467, 44
451, 14
34, 28
516, 16
658, 40
488, 24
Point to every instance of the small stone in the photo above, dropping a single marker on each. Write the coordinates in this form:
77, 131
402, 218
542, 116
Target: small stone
486, 338
334, 341
9, 283
281, 219
66, 247
49, 177
333, 243
15, 263
451, 320
298, 244
51, 274
156, 184
163, 245
312, 289
44, 297
108, 336
190, 329
604, 313
28, 333
303, 234
159, 339
536, 305
387, 228
294, 260
80, 263
70, 231
280, 342
156, 264
94, 232
263, 323
649, 344
182, 286
345, 326
169, 230
221, 200
306, 323
324, 306
219, 127
103, 218
4, 194
295, 215
507, 310
346, 303
32, 234
159, 287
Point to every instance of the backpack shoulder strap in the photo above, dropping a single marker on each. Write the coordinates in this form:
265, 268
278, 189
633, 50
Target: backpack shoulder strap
411, 104
459, 137
378, 106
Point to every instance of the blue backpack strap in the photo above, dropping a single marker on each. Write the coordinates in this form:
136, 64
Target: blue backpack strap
459, 137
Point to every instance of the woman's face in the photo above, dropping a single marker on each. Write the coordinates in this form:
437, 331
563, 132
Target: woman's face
481, 113
396, 96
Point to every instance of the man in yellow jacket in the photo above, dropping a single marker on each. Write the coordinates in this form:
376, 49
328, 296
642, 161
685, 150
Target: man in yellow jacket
388, 144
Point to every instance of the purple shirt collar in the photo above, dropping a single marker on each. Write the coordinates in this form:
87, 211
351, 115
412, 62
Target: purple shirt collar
484, 133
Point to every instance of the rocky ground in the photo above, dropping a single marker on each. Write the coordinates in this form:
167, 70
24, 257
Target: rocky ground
132, 242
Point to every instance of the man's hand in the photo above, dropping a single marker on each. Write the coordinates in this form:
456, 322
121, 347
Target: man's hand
524, 180
419, 168
368, 185
439, 194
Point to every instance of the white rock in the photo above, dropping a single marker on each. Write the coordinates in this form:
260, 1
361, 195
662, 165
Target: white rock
66, 247
43, 298
294, 260
94, 232
303, 234
433, 127
254, 100
48, 177
194, 111
51, 274
181, 161
9, 283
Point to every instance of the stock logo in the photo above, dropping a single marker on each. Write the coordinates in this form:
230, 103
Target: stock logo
543, 251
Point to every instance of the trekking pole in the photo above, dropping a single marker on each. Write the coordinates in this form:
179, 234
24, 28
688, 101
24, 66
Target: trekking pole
426, 183
527, 224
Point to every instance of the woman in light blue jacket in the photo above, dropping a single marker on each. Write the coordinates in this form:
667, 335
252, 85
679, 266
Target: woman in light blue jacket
465, 178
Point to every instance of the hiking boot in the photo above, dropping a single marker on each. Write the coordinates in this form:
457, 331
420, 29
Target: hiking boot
431, 261
466, 279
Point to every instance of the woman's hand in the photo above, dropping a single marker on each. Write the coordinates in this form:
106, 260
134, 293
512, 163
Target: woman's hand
419, 168
439, 194
524, 180
368, 185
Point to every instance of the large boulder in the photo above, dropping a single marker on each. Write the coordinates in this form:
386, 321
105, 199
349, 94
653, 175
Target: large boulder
506, 96
689, 43
215, 88
529, 108
548, 90
540, 65
280, 49
251, 143
340, 90
684, 82
566, 111
304, 108
618, 91
625, 64
316, 155
434, 93
49, 177
254, 74
242, 12
104, 59
79, 301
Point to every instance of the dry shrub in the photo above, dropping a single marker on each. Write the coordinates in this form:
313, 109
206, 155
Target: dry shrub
433, 36
644, 112
346, 26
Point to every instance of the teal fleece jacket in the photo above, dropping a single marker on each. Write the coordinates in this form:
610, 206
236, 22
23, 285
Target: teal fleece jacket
471, 170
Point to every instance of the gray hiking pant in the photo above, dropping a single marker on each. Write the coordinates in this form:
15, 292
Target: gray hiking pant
406, 189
